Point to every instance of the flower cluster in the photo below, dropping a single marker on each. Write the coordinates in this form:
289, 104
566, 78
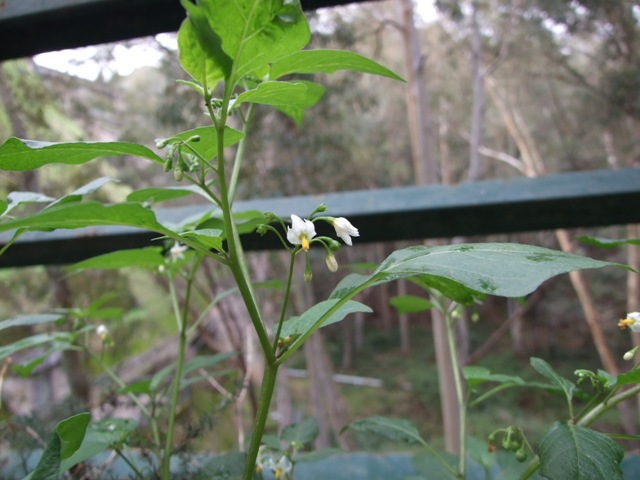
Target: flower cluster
281, 469
302, 232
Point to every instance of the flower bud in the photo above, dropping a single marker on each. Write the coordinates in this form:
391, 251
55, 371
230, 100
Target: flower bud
262, 229
332, 263
161, 142
178, 173
168, 165
270, 216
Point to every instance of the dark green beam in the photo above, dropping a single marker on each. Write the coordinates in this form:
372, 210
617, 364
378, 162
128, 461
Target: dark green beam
29, 27
570, 200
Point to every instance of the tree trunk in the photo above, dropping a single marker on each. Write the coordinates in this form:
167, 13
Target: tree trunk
420, 124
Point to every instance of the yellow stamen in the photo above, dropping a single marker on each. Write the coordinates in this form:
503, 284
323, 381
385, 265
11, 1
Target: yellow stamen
305, 243
626, 322
278, 471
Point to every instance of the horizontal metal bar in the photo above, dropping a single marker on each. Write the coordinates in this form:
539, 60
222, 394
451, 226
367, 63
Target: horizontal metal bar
29, 27
569, 200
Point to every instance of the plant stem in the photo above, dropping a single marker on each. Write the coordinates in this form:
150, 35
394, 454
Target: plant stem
237, 262
134, 398
175, 394
266, 393
462, 404
285, 301
594, 414
130, 463
533, 466
235, 173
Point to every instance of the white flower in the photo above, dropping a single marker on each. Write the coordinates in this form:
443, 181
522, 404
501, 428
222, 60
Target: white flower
282, 468
300, 232
264, 461
177, 252
102, 332
345, 230
632, 321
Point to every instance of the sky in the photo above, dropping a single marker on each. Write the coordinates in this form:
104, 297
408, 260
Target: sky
81, 62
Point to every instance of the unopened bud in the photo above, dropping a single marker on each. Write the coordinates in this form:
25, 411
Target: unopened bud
332, 263
178, 173
161, 142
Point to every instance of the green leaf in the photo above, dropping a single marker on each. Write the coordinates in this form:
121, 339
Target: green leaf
327, 61
207, 237
312, 319
228, 466
206, 362
99, 437
476, 375
450, 289
65, 441
313, 95
571, 452
141, 386
427, 465
503, 269
255, 33
207, 147
15, 199
205, 45
34, 319
71, 432
161, 194
48, 467
391, 428
629, 378
291, 94
19, 155
87, 189
150, 257
88, 214
410, 304
34, 341
550, 374
607, 242
302, 433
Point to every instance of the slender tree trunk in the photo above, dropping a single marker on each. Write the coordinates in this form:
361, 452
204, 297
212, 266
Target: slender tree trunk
420, 124
475, 168
426, 171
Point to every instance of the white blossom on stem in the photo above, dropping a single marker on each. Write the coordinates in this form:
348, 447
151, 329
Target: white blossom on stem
632, 321
345, 230
300, 232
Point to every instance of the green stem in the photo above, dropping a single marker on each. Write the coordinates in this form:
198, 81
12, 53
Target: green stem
143, 408
237, 262
266, 394
533, 466
594, 414
285, 302
130, 463
462, 405
242, 145
302, 338
181, 317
